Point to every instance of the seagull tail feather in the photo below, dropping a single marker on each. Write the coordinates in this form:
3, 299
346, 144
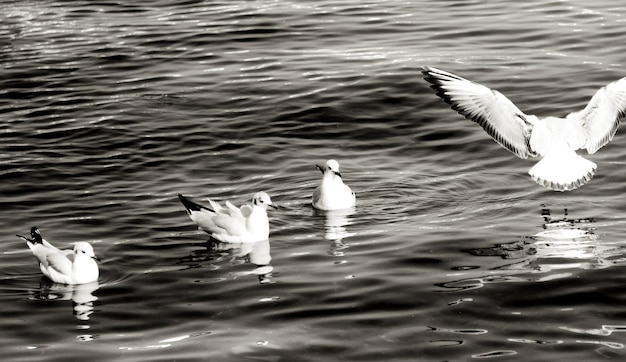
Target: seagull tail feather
563, 173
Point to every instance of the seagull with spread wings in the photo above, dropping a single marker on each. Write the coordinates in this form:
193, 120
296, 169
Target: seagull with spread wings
555, 140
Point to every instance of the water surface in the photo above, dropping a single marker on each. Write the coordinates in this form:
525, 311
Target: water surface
110, 109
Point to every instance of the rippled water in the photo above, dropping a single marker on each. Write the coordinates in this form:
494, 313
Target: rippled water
109, 109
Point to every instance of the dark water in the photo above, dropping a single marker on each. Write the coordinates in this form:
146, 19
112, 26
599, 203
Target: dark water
109, 109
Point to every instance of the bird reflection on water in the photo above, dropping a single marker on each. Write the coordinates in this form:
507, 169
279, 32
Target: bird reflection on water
215, 251
564, 245
82, 296
335, 222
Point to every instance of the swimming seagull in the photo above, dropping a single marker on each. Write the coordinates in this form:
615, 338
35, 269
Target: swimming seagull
230, 224
332, 193
554, 139
77, 266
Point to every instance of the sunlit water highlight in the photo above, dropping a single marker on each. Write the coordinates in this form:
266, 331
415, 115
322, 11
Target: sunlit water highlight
453, 253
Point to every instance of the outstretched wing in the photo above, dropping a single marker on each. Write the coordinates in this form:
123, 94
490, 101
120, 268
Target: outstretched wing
602, 115
494, 112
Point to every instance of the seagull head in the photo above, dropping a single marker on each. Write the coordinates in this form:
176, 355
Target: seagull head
331, 166
84, 248
262, 199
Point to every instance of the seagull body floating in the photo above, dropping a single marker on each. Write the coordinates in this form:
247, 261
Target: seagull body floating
554, 139
332, 193
230, 224
77, 266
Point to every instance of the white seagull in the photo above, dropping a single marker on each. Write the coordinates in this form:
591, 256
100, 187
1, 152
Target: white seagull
230, 224
77, 266
332, 193
554, 139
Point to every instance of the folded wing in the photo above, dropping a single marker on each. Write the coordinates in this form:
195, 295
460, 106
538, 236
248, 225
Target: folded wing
58, 263
230, 221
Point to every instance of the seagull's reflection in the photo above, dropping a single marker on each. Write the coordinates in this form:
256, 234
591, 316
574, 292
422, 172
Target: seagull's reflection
563, 245
335, 223
257, 254
81, 295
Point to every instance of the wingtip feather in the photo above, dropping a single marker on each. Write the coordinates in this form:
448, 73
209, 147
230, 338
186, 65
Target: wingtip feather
441, 83
191, 206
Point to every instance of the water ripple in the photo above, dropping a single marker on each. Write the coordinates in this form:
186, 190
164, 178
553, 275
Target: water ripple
110, 109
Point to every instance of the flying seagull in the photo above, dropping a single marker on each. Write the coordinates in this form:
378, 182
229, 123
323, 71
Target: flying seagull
554, 139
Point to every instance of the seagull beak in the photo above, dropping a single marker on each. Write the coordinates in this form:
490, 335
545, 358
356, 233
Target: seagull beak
275, 207
320, 168
95, 258
337, 173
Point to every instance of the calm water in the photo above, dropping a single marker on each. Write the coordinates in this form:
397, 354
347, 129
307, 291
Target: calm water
109, 109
